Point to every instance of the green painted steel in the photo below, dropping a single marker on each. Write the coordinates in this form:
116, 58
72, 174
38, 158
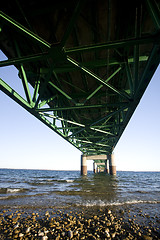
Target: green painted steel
23, 30
88, 69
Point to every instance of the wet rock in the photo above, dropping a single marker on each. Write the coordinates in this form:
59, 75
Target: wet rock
15, 236
70, 234
16, 231
76, 233
145, 237
79, 226
113, 235
108, 223
95, 217
41, 234
107, 235
121, 211
16, 226
44, 238
21, 235
89, 222
63, 234
28, 229
109, 211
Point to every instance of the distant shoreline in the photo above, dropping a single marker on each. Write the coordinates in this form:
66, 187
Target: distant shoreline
76, 170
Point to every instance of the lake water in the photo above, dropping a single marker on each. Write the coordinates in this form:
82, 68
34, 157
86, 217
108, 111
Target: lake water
69, 190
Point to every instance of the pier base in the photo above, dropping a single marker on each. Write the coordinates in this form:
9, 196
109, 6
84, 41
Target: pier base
83, 165
106, 167
94, 167
112, 166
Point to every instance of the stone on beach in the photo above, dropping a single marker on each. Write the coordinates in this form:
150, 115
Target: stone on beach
103, 225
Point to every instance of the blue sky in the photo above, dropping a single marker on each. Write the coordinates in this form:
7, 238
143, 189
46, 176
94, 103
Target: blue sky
25, 142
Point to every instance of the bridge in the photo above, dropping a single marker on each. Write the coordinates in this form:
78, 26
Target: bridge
88, 63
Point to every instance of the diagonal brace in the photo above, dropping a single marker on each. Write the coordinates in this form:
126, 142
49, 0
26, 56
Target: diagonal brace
107, 80
72, 22
99, 79
24, 79
13, 94
24, 30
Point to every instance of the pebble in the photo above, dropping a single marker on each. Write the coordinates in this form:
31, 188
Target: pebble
41, 234
70, 234
109, 211
113, 235
28, 229
145, 237
21, 235
103, 225
44, 238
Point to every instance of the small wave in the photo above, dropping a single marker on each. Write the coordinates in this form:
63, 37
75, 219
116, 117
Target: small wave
11, 190
69, 181
14, 190
134, 202
141, 201
103, 203
3, 190
17, 196
3, 198
40, 183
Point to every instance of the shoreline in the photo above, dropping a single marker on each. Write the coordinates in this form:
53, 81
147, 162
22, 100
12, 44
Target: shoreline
85, 223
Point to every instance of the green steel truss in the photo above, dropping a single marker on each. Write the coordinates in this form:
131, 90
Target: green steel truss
88, 70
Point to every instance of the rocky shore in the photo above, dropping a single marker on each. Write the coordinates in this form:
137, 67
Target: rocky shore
20, 224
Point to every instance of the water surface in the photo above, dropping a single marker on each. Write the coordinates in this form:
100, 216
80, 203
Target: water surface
68, 189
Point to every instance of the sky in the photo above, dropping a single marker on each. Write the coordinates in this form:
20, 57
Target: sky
26, 143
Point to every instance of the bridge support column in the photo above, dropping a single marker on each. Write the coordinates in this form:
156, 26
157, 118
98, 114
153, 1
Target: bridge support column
94, 167
106, 166
112, 166
83, 165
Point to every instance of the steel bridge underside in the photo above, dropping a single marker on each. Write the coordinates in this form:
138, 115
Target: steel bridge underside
88, 64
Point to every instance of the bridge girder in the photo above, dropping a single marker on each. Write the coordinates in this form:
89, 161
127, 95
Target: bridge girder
88, 66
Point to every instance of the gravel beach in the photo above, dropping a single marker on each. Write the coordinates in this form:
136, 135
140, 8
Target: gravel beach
59, 224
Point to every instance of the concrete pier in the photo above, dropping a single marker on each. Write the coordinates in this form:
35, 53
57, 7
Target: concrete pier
100, 166
94, 167
83, 165
107, 163
112, 165
106, 166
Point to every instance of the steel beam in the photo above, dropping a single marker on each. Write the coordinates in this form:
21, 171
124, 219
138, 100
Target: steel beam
14, 95
108, 116
107, 80
90, 126
114, 44
123, 61
36, 89
62, 119
21, 101
24, 30
78, 107
154, 12
72, 22
129, 77
148, 72
24, 59
24, 78
46, 101
99, 79
61, 91
68, 67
